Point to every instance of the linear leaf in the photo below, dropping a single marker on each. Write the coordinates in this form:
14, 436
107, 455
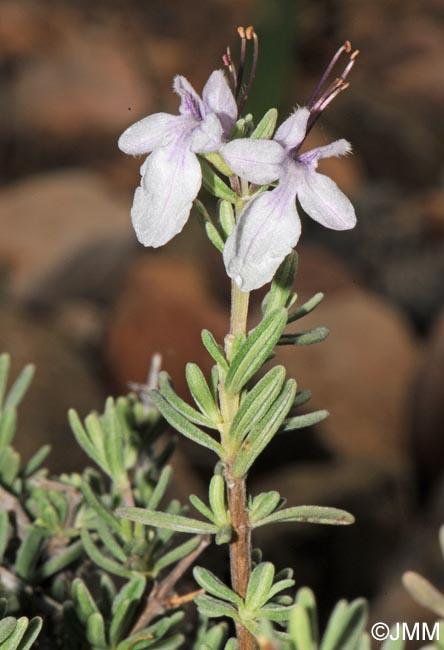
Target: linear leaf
257, 403
202, 508
110, 541
227, 219
28, 555
306, 599
215, 185
424, 593
201, 392
165, 520
181, 424
7, 626
266, 126
264, 431
259, 585
36, 460
255, 350
263, 505
19, 387
66, 557
5, 363
306, 308
306, 420
217, 499
101, 559
345, 626
96, 504
177, 554
214, 608
114, 444
133, 590
212, 585
8, 426
214, 349
209, 227
310, 515
13, 640
95, 630
188, 412
282, 284
310, 337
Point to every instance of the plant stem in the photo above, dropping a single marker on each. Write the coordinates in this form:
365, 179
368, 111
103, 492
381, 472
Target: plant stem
240, 547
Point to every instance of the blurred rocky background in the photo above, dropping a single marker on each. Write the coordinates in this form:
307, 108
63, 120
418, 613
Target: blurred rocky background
89, 306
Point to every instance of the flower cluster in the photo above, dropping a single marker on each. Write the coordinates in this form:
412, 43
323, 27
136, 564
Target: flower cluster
269, 174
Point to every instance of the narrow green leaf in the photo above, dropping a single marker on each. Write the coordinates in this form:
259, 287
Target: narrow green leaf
13, 640
424, 593
187, 411
31, 634
214, 608
95, 503
36, 460
210, 229
302, 397
224, 535
5, 363
181, 424
227, 219
310, 337
217, 499
201, 393
172, 643
282, 284
161, 487
165, 520
114, 445
266, 126
212, 585
306, 420
263, 432
66, 557
110, 541
202, 508
306, 308
95, 630
28, 555
8, 426
345, 626
121, 621
132, 591
263, 505
19, 387
176, 554
219, 162
82, 437
279, 586
275, 612
102, 560
7, 626
84, 602
300, 628
256, 403
261, 581
306, 599
214, 349
310, 515
255, 350
232, 644
215, 185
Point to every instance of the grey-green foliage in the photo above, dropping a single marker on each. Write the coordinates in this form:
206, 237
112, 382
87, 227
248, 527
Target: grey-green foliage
54, 528
429, 597
345, 628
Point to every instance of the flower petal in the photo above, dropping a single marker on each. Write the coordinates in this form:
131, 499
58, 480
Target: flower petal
336, 148
268, 229
163, 201
291, 132
154, 131
191, 104
207, 137
324, 202
258, 161
219, 99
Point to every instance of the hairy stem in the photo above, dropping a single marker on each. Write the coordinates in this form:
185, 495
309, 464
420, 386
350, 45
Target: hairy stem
240, 547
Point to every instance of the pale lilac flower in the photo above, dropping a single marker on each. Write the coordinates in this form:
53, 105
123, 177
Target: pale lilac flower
171, 175
269, 225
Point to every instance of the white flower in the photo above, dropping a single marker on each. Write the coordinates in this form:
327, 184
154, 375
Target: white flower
269, 225
171, 175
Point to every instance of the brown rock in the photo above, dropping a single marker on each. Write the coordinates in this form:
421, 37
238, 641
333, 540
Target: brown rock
163, 307
63, 380
83, 88
362, 374
47, 218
